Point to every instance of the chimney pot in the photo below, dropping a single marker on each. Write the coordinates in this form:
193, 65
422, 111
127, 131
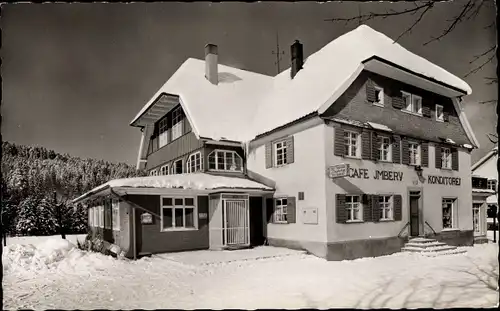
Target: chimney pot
211, 63
297, 58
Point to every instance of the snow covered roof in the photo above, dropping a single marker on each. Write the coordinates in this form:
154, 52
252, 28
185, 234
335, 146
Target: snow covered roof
245, 104
194, 181
481, 161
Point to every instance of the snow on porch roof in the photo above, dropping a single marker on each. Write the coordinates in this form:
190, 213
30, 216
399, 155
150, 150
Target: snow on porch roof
195, 181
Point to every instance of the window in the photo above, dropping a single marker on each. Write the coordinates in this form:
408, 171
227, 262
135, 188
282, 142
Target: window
379, 96
91, 216
194, 163
115, 214
177, 123
351, 140
177, 213
280, 210
385, 149
353, 208
492, 184
448, 206
177, 167
412, 103
96, 216
439, 113
446, 158
107, 214
220, 160
101, 216
414, 149
476, 217
163, 132
385, 204
280, 153
164, 170
153, 173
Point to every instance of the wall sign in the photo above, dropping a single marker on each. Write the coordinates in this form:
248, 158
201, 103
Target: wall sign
363, 173
441, 180
336, 171
146, 218
203, 215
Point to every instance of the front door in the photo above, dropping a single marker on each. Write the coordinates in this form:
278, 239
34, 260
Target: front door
414, 219
477, 219
236, 222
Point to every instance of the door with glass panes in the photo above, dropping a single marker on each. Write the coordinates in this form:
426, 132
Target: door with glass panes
477, 218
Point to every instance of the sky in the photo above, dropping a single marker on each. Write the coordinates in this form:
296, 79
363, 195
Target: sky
75, 75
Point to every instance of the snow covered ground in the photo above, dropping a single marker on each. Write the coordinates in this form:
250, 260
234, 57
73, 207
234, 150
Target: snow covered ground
49, 273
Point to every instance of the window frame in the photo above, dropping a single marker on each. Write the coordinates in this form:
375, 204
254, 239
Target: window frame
284, 149
347, 144
411, 97
349, 207
172, 168
280, 210
452, 212
96, 216
90, 212
389, 149
115, 219
167, 166
173, 207
438, 118
216, 169
417, 155
490, 182
101, 216
188, 162
177, 123
386, 205
153, 172
448, 161
379, 102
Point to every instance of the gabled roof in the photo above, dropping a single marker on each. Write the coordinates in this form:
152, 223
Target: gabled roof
247, 104
483, 160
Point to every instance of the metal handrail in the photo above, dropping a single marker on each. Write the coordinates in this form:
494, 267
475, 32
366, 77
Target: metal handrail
430, 227
407, 224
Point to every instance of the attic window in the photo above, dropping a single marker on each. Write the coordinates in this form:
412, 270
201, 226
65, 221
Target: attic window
379, 96
220, 160
439, 113
177, 123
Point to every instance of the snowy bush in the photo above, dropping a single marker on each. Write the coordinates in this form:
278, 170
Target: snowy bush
35, 218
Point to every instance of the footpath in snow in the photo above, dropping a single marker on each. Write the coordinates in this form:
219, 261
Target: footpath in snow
51, 273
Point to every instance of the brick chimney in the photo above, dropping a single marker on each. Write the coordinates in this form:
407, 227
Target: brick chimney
211, 62
297, 58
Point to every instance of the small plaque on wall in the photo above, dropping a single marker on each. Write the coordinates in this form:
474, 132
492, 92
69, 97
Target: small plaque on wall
146, 218
310, 216
203, 215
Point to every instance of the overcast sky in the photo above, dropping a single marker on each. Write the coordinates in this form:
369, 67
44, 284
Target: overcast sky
74, 75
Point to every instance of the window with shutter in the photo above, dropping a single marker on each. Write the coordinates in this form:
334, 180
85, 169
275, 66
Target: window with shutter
398, 211
454, 159
437, 153
354, 208
270, 210
338, 142
291, 210
340, 208
384, 149
425, 154
396, 149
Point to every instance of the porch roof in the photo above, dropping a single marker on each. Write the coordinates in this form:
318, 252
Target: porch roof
195, 182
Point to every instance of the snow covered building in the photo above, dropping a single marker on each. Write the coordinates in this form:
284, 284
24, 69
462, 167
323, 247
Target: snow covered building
486, 168
240, 158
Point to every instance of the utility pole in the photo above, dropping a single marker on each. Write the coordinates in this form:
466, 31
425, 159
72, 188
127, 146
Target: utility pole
278, 53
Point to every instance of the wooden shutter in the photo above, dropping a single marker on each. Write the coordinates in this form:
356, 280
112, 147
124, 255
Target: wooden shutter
340, 208
366, 152
396, 149
376, 142
425, 154
446, 114
397, 99
338, 142
375, 208
370, 91
270, 210
454, 159
269, 155
426, 110
405, 151
397, 202
437, 152
290, 157
291, 210
367, 207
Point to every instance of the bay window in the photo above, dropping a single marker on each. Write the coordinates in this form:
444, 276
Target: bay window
221, 160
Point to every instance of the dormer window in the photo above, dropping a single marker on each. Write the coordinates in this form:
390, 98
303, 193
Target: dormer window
439, 113
412, 103
221, 160
177, 121
379, 96
163, 132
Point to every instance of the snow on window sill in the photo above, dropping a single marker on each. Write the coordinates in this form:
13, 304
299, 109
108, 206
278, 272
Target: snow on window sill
378, 104
447, 168
386, 220
439, 120
450, 229
413, 113
280, 222
178, 229
354, 221
352, 157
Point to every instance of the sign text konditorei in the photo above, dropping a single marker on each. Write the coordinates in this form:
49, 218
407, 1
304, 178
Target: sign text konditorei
363, 173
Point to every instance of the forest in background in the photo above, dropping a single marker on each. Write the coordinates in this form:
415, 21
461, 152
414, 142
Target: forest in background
32, 175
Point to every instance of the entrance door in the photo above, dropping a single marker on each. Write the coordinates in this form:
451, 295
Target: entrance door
414, 219
477, 219
256, 221
236, 222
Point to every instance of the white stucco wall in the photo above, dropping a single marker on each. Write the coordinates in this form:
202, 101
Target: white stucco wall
488, 170
432, 194
306, 174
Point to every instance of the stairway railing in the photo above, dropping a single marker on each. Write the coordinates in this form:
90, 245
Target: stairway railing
434, 232
402, 230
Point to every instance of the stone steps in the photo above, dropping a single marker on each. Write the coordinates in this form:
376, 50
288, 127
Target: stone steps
430, 247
